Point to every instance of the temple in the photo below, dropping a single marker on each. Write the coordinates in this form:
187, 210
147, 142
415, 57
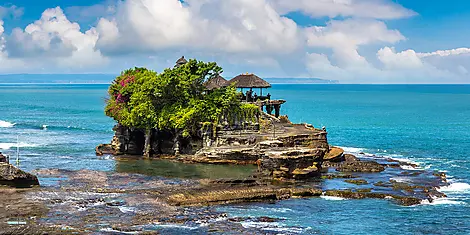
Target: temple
180, 61
245, 81
250, 82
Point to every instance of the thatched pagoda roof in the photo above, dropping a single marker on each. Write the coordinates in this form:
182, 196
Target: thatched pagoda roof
249, 81
181, 61
215, 83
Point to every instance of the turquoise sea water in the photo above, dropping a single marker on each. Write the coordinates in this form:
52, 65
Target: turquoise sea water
59, 126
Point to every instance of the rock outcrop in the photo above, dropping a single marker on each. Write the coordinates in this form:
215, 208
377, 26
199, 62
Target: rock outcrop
336, 158
12, 176
360, 166
286, 151
361, 194
131, 141
3, 158
293, 163
334, 155
238, 195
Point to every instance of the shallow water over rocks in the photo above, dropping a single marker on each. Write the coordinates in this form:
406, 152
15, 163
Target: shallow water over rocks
126, 202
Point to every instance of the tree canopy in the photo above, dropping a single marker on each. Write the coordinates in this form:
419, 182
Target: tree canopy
173, 100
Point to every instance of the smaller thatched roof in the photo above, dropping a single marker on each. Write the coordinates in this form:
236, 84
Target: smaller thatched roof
181, 61
215, 83
249, 81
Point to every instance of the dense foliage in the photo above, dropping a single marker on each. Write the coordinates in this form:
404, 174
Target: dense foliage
174, 100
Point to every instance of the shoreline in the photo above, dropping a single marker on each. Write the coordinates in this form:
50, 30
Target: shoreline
85, 195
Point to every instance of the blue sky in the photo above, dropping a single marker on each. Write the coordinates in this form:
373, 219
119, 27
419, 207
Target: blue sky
354, 41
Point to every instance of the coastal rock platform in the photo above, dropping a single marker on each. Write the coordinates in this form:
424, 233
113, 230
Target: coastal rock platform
113, 202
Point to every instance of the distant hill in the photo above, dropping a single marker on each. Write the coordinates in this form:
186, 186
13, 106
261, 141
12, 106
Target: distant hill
57, 78
300, 81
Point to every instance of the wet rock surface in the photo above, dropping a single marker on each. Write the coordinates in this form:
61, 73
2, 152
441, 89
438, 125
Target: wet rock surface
3, 158
12, 176
297, 163
88, 202
360, 166
335, 154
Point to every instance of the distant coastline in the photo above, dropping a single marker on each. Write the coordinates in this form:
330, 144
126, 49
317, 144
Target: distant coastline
300, 81
83, 79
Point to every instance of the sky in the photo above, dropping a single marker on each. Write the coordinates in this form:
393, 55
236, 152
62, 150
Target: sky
353, 41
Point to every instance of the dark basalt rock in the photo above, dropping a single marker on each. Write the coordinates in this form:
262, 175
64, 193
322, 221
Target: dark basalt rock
238, 195
349, 194
3, 158
292, 164
233, 182
12, 176
360, 166
105, 149
350, 158
338, 176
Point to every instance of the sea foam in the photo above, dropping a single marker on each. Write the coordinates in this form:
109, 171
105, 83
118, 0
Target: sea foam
332, 198
5, 124
456, 188
442, 201
7, 146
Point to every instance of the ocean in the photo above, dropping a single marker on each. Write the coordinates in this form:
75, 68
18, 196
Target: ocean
58, 126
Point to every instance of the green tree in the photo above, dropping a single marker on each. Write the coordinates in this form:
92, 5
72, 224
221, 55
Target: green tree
174, 100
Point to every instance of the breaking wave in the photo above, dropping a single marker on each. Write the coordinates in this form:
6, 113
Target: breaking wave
456, 188
332, 198
7, 146
5, 124
442, 201
273, 226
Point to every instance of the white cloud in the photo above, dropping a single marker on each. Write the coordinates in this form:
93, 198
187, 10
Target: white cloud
444, 53
398, 67
377, 9
449, 66
11, 11
242, 35
403, 60
55, 39
233, 26
344, 38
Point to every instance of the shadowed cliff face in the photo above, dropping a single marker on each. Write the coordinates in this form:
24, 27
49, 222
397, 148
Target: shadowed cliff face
281, 150
131, 141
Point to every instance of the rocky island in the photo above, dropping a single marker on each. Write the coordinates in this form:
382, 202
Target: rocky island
189, 115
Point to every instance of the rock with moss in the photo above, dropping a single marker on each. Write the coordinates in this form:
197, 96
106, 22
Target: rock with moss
357, 181
350, 194
335, 154
361, 166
